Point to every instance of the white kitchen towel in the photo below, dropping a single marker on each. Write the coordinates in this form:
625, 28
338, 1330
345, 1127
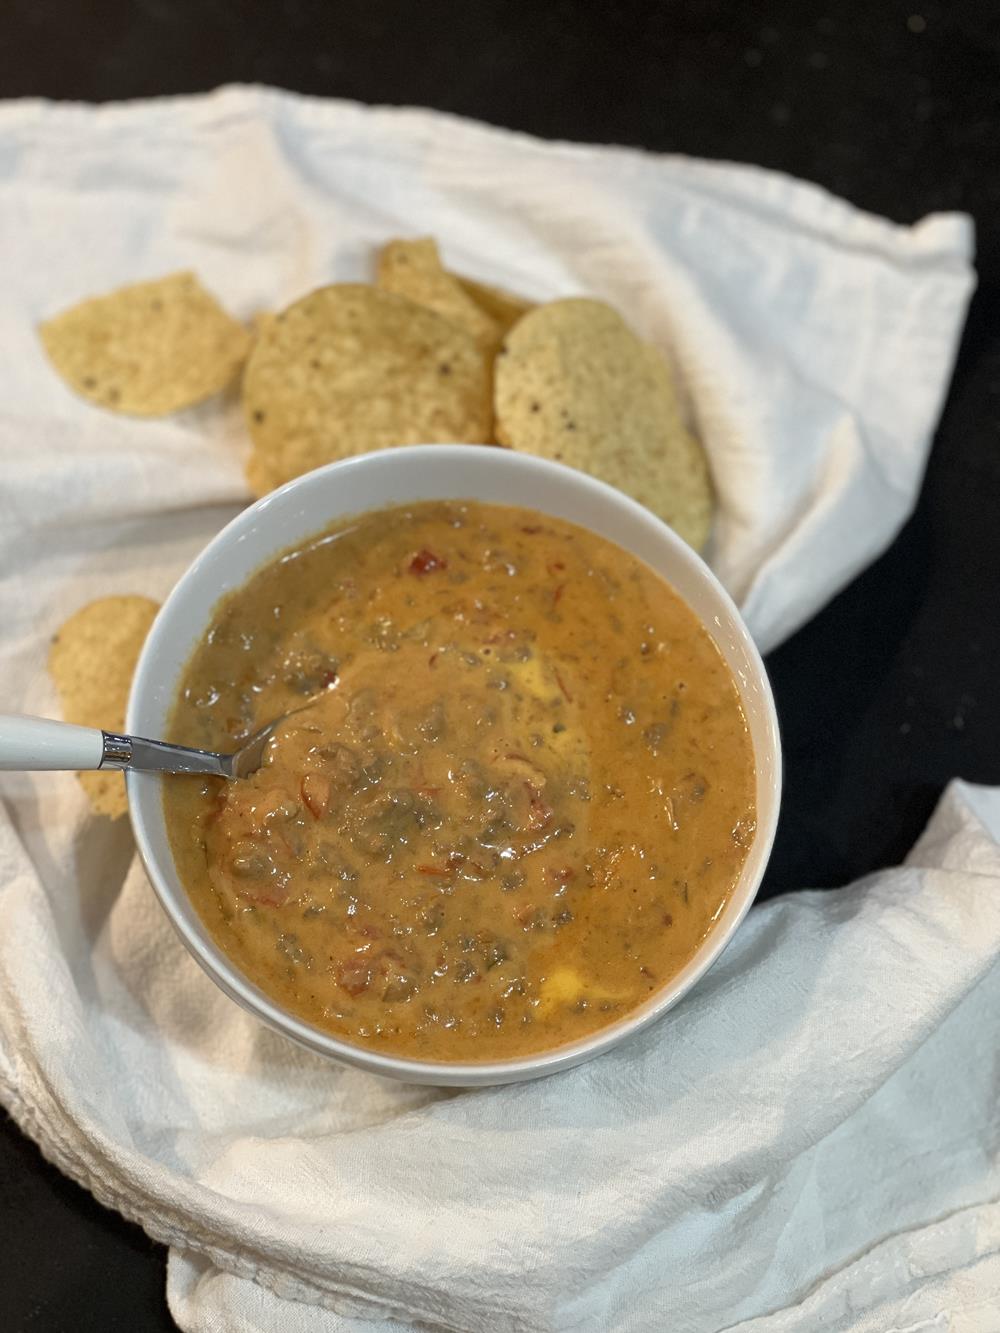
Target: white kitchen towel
809, 1141
814, 341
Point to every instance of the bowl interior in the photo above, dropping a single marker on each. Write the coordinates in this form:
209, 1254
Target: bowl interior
429, 472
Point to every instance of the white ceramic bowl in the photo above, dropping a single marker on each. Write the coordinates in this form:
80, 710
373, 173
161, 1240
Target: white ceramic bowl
429, 472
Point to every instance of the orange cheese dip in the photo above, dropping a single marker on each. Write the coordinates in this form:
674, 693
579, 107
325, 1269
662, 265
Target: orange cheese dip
516, 792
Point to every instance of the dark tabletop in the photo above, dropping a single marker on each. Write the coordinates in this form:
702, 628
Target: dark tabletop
891, 690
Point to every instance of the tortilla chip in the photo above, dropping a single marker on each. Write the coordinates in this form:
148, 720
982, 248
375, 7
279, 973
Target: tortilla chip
91, 661
349, 369
504, 308
148, 349
413, 269
261, 321
573, 383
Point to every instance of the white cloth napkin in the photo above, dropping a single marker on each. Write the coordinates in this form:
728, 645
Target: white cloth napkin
809, 1140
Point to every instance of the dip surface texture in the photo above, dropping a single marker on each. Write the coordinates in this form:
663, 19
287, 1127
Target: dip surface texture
518, 796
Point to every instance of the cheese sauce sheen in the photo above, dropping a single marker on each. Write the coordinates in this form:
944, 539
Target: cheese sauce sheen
517, 791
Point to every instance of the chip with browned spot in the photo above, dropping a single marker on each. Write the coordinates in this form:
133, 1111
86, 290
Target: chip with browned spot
147, 349
575, 384
349, 369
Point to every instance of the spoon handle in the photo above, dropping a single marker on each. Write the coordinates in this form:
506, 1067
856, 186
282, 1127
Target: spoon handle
40, 743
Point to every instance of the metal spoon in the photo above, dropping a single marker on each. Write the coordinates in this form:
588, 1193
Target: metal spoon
39, 743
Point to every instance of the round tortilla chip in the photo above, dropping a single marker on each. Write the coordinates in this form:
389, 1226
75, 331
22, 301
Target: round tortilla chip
147, 349
92, 661
349, 369
413, 269
573, 383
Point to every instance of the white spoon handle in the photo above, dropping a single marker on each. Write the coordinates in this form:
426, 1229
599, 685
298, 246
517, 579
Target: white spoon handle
38, 742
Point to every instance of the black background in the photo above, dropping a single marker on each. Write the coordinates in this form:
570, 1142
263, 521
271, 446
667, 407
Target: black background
888, 693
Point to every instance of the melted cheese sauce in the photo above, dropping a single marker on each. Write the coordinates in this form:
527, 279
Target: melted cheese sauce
517, 791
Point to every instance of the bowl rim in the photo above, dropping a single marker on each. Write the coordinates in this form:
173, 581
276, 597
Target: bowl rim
239, 988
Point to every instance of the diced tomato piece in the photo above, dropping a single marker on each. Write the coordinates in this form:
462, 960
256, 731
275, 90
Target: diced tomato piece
315, 792
215, 810
354, 976
269, 897
539, 813
426, 562
561, 874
